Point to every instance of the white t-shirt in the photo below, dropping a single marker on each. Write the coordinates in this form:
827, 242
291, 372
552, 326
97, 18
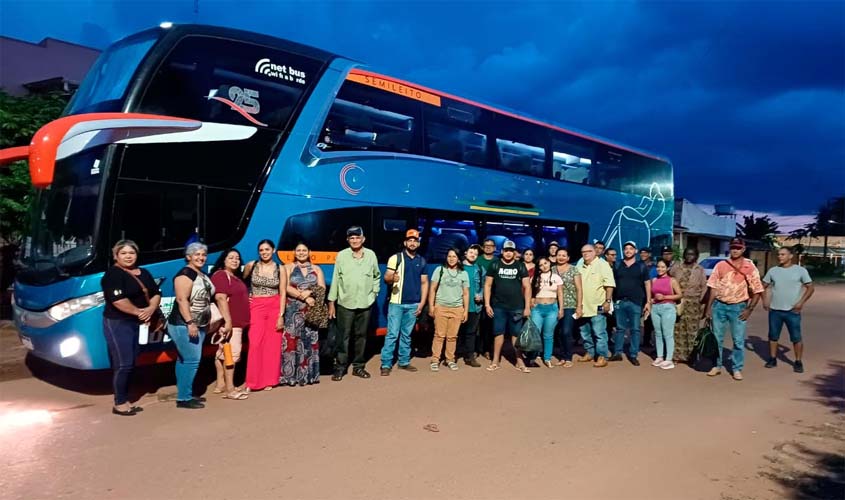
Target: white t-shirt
549, 283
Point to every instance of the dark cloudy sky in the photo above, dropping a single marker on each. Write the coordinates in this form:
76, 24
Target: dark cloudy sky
746, 98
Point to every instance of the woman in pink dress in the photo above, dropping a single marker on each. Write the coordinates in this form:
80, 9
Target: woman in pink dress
268, 285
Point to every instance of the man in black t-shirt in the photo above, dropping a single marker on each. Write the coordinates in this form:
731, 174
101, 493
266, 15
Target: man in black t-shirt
507, 299
633, 300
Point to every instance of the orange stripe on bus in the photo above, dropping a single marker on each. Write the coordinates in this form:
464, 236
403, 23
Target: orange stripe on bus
395, 87
316, 257
357, 75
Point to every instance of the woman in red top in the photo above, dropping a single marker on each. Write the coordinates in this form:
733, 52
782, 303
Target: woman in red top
229, 285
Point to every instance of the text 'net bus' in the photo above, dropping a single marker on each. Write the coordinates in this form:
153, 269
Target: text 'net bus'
232, 137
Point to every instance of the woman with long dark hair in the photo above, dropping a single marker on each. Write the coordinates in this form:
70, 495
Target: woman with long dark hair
547, 305
448, 304
572, 304
266, 310
132, 298
300, 341
229, 285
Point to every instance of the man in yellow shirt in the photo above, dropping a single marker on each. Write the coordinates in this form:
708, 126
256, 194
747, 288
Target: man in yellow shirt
597, 283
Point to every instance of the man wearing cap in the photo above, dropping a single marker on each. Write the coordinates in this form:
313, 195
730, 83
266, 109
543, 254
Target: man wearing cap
633, 301
355, 285
507, 300
597, 284
553, 248
406, 276
667, 255
735, 289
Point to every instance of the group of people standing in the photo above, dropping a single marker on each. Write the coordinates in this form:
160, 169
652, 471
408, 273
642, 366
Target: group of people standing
282, 305
475, 299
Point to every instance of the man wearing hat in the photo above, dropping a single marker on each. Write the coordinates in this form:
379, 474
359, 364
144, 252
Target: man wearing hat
735, 289
355, 285
633, 300
667, 255
406, 276
507, 300
553, 247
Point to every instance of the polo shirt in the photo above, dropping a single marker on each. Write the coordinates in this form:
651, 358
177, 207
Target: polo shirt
411, 269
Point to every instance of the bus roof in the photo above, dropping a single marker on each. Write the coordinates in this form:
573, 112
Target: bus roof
198, 29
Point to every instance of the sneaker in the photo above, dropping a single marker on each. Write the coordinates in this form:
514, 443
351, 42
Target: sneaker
667, 365
408, 368
657, 361
435, 367
191, 404
615, 357
798, 367
452, 366
385, 372
601, 362
737, 375
472, 361
714, 371
773, 362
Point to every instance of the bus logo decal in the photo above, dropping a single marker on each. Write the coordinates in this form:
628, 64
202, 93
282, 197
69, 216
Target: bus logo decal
246, 97
635, 223
354, 180
283, 72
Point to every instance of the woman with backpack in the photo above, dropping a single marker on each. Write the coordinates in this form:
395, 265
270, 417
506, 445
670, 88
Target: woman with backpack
448, 304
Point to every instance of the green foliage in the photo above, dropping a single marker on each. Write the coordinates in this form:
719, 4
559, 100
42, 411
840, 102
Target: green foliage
20, 118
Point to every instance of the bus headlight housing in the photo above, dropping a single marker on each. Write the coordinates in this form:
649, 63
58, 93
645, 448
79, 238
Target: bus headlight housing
70, 307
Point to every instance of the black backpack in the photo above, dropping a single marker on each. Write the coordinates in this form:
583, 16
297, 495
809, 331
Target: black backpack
705, 345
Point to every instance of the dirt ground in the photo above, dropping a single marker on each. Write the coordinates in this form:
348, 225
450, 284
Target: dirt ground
618, 432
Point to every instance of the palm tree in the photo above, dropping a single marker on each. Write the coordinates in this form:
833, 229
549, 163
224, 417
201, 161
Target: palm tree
756, 228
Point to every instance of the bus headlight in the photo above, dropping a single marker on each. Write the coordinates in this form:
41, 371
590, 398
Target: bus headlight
69, 347
73, 306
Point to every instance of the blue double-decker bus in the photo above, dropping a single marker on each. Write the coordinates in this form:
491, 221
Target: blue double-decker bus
201, 132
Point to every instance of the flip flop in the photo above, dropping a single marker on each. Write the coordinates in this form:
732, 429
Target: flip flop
218, 390
492, 368
236, 395
523, 369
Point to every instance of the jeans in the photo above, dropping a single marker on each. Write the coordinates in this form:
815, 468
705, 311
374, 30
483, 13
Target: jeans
792, 321
725, 315
628, 317
565, 328
545, 317
663, 317
122, 340
400, 323
595, 325
351, 324
189, 351
467, 335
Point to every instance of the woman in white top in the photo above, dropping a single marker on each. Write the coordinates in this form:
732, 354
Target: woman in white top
547, 305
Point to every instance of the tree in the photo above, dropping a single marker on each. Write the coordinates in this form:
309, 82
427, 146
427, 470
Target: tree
20, 118
757, 228
830, 221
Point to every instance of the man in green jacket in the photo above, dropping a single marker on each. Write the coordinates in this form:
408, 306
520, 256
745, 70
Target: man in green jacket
355, 285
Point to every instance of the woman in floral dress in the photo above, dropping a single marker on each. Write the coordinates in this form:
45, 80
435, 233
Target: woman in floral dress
690, 277
300, 342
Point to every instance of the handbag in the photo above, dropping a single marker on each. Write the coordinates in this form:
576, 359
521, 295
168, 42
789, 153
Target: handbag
157, 321
679, 307
216, 320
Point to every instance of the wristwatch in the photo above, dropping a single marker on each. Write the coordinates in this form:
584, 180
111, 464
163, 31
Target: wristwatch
190, 322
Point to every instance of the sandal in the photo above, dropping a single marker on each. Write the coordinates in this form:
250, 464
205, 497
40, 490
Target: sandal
523, 369
548, 364
567, 364
218, 390
236, 395
492, 367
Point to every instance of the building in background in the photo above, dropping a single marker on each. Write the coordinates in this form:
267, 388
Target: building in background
48, 66
709, 233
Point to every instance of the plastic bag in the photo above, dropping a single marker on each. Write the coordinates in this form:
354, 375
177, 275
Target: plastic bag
529, 339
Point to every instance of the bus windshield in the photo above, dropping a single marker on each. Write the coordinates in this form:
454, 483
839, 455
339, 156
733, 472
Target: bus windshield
63, 219
105, 85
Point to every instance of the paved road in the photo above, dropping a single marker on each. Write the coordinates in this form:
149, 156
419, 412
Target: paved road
618, 432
